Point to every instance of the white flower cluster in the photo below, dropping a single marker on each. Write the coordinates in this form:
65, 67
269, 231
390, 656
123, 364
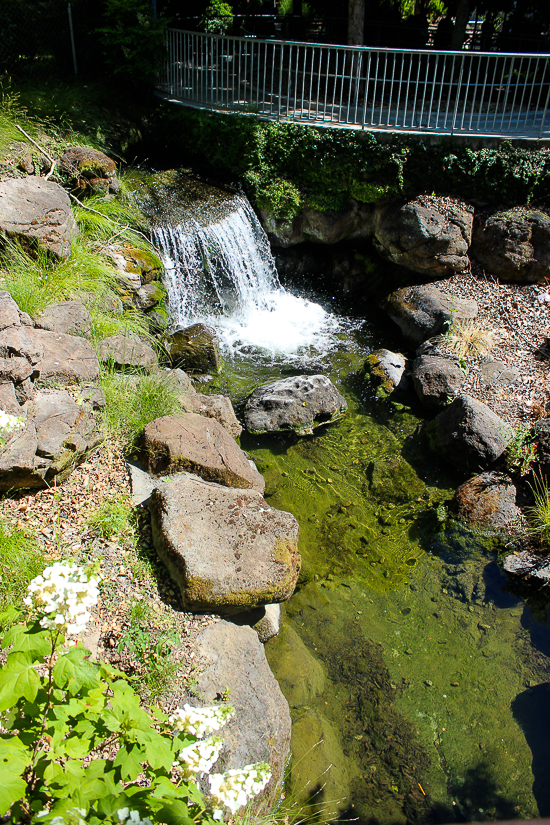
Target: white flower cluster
233, 789
9, 423
128, 816
200, 721
200, 756
64, 593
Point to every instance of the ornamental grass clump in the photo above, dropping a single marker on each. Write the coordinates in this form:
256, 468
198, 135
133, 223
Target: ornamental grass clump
77, 747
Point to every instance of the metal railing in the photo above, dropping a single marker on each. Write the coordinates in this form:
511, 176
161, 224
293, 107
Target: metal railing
397, 90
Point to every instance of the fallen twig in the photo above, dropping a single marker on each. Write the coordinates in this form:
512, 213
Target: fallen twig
40, 149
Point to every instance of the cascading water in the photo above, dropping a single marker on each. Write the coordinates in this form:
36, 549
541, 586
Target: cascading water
222, 273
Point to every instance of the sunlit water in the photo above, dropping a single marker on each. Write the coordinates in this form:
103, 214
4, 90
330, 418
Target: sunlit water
417, 673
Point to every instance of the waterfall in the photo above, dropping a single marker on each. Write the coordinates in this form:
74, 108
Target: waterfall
222, 273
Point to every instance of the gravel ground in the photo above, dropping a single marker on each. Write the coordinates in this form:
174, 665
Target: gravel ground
518, 316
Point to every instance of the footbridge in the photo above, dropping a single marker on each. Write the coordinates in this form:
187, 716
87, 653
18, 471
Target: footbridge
427, 92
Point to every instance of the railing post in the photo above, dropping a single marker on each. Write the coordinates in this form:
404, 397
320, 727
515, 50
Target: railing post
547, 99
458, 89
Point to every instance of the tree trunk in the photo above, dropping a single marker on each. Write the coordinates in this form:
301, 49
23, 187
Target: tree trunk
356, 22
461, 21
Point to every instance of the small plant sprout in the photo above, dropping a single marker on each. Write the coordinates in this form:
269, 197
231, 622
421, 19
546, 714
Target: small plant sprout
521, 452
9, 424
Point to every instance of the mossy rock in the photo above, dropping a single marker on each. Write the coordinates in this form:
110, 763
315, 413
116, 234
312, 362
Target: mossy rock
195, 349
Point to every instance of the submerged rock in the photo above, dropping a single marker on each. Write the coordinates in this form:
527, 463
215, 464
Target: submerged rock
234, 661
299, 673
422, 312
37, 212
488, 499
386, 371
393, 479
468, 434
199, 445
298, 404
227, 549
195, 349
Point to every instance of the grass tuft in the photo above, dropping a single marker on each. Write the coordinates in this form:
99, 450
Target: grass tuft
538, 515
469, 340
114, 517
21, 560
132, 401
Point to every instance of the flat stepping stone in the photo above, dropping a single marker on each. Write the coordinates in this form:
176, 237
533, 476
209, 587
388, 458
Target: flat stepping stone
55, 357
299, 404
421, 312
227, 549
69, 317
199, 445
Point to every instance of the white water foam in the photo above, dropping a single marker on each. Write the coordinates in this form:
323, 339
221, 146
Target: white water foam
223, 274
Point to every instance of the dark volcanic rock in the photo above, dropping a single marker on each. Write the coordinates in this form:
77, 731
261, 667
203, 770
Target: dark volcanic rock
436, 380
468, 434
488, 499
514, 245
299, 404
424, 311
428, 235
198, 445
195, 349
227, 549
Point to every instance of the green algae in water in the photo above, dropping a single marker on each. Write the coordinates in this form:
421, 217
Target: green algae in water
401, 666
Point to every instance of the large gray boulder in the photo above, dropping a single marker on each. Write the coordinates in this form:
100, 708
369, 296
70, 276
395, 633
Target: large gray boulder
487, 500
69, 317
468, 434
437, 380
127, 351
429, 234
422, 312
299, 404
36, 211
234, 661
514, 245
58, 435
227, 550
199, 445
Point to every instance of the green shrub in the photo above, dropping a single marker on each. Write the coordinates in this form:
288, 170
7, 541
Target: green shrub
132, 40
217, 18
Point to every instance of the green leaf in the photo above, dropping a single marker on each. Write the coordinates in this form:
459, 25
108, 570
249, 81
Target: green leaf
34, 640
73, 670
18, 679
128, 760
14, 758
157, 750
165, 788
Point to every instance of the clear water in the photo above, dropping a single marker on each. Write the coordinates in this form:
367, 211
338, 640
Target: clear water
416, 672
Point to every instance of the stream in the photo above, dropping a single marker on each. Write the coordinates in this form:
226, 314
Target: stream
418, 679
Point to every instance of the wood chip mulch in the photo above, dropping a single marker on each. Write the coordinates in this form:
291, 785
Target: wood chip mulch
518, 315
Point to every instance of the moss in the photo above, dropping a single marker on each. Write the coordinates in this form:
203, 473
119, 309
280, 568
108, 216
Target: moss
374, 370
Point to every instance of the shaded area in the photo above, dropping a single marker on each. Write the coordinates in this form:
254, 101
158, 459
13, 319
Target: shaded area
530, 710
